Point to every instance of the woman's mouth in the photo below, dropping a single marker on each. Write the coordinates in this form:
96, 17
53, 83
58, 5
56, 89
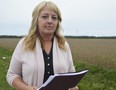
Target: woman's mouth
49, 27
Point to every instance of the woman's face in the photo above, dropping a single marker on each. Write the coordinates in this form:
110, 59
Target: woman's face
47, 22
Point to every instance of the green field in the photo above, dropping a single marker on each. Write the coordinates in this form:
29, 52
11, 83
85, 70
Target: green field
96, 55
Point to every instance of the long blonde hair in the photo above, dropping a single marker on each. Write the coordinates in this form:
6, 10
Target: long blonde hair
30, 39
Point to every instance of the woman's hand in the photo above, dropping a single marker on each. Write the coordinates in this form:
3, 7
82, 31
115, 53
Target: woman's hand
18, 84
31, 88
74, 88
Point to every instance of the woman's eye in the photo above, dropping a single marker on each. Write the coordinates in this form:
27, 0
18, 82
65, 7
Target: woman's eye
45, 17
54, 18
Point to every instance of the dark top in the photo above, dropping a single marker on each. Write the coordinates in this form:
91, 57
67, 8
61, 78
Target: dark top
48, 64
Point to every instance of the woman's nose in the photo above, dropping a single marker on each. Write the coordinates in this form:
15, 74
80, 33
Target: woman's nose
50, 19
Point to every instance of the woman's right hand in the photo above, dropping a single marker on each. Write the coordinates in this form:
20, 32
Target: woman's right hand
18, 84
31, 88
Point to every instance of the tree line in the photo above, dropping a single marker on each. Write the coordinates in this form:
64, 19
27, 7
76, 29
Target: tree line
81, 37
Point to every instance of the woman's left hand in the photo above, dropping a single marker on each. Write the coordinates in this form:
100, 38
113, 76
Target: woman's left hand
74, 88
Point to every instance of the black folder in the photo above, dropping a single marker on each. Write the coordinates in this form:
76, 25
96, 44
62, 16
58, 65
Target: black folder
63, 81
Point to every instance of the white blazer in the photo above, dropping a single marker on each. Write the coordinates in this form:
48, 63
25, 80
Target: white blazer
29, 65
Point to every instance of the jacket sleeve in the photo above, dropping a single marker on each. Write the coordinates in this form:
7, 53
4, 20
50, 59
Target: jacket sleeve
70, 59
15, 67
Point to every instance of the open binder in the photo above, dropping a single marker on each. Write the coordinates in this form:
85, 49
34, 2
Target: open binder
63, 81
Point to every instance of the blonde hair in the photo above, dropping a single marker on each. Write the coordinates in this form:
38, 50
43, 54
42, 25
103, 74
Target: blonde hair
30, 39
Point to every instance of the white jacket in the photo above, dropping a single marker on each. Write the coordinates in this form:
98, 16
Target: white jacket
30, 64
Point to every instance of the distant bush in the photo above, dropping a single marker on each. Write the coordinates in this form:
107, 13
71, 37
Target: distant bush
10, 36
92, 37
81, 37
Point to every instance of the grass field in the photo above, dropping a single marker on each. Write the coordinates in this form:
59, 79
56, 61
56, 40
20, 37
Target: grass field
96, 55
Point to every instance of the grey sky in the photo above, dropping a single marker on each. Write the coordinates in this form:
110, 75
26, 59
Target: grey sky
80, 17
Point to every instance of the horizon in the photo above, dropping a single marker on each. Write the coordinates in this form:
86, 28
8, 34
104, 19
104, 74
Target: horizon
64, 36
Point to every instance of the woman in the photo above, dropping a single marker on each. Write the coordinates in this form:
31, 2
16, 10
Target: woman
43, 52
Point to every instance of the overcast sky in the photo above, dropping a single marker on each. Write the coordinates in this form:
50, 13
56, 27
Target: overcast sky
80, 17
